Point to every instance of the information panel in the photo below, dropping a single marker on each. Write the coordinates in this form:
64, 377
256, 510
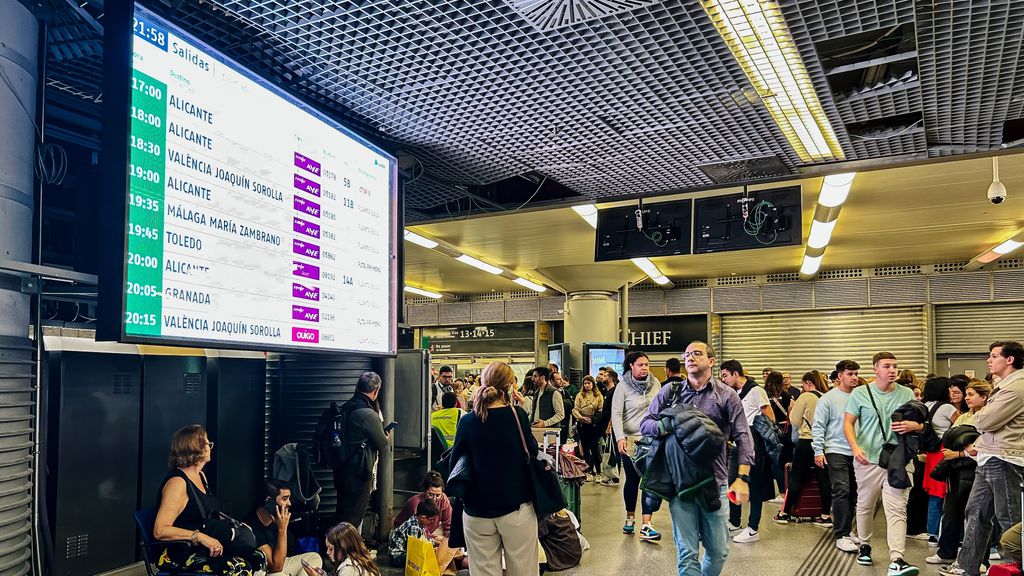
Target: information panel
253, 220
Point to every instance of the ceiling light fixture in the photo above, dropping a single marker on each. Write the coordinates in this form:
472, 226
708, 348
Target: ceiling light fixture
757, 35
834, 190
996, 252
420, 240
422, 292
531, 285
588, 212
651, 270
467, 259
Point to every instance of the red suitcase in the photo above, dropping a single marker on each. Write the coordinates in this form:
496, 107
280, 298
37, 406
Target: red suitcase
808, 503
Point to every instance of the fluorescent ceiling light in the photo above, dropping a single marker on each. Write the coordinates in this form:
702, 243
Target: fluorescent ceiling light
420, 240
810, 265
821, 233
422, 292
1007, 247
531, 285
757, 36
647, 266
660, 279
835, 188
466, 259
588, 212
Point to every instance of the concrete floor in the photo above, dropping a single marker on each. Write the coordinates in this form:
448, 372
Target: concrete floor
791, 550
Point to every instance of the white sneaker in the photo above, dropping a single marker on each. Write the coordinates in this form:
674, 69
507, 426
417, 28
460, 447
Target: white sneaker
846, 544
936, 559
747, 535
777, 500
921, 536
953, 569
994, 554
733, 528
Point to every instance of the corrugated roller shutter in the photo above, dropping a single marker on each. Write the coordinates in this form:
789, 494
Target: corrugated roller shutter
970, 328
17, 402
302, 387
800, 341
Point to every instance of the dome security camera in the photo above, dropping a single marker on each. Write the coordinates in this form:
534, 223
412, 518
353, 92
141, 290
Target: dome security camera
996, 192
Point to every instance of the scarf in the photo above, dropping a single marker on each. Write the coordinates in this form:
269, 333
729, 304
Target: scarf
641, 386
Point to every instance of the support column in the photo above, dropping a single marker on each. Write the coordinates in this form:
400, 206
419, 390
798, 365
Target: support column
591, 316
18, 59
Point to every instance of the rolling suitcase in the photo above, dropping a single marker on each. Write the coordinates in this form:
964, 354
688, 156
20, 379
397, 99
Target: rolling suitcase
808, 503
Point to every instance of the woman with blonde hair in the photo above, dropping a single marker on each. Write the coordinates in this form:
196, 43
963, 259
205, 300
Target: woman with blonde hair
587, 410
347, 553
498, 514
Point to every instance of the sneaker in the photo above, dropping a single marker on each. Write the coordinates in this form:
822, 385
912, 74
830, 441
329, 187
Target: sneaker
936, 559
864, 555
994, 554
777, 500
846, 544
921, 536
953, 569
781, 518
609, 482
899, 567
629, 526
733, 528
747, 535
647, 532
822, 522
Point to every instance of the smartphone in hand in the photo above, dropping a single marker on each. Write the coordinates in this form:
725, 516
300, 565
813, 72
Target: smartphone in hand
390, 427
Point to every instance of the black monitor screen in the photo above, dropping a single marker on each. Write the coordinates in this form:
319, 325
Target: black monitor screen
665, 231
770, 218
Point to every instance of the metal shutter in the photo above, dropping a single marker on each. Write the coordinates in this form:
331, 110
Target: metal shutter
17, 403
800, 341
300, 387
970, 328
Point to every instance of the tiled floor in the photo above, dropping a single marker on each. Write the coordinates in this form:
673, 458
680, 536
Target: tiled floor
791, 550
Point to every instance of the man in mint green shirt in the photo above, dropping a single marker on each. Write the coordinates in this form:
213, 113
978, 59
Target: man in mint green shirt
868, 426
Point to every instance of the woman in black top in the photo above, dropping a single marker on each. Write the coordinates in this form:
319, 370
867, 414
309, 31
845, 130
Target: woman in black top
499, 513
178, 516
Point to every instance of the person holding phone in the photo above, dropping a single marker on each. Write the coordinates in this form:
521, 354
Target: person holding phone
346, 552
269, 523
364, 439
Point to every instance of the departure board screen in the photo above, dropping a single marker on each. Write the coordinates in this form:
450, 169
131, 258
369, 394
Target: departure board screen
252, 220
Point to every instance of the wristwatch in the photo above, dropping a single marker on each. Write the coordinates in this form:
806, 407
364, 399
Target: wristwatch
744, 477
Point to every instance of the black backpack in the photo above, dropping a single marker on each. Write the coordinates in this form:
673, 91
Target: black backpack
930, 441
329, 438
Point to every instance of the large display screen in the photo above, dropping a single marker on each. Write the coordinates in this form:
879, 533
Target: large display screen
252, 220
598, 357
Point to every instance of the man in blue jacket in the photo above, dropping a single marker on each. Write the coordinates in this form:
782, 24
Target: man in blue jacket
691, 524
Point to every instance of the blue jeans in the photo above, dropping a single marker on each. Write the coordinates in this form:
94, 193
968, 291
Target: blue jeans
691, 525
934, 515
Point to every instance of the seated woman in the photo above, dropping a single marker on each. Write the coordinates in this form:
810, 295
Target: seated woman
178, 516
433, 490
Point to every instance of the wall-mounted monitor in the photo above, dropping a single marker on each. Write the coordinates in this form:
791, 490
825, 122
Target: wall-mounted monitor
755, 219
598, 354
244, 217
661, 229
558, 354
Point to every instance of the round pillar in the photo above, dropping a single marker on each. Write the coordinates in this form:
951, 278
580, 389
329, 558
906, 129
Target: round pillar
590, 316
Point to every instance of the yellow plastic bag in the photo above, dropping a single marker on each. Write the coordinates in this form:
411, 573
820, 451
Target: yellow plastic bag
420, 559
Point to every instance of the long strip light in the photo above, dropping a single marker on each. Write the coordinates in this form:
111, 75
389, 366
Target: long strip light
588, 212
757, 35
479, 264
420, 240
528, 284
996, 252
834, 190
651, 270
422, 292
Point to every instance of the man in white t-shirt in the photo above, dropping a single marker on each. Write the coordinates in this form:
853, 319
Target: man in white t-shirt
755, 401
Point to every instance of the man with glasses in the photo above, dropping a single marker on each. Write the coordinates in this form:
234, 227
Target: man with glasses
691, 523
445, 379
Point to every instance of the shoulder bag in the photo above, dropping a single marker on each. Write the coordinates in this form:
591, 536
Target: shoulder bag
887, 447
548, 497
237, 537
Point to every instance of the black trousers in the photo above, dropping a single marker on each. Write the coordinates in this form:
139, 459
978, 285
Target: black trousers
353, 496
954, 506
844, 493
590, 444
803, 467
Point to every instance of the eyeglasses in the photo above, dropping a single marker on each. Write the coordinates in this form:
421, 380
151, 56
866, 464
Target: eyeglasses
694, 354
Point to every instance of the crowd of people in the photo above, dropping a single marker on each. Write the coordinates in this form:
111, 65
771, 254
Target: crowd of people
944, 456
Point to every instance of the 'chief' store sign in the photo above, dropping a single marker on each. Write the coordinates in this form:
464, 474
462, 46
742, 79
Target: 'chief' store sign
666, 333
